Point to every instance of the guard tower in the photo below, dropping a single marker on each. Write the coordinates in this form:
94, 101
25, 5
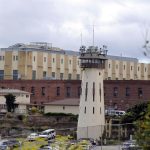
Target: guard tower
91, 119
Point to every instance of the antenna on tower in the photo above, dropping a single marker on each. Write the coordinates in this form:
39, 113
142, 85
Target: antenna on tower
93, 34
81, 38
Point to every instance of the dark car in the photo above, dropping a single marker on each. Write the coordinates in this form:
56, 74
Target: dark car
14, 142
11, 143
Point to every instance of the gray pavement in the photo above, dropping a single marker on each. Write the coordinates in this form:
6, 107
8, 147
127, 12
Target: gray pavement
117, 147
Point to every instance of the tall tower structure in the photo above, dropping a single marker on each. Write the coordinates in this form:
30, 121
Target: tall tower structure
91, 119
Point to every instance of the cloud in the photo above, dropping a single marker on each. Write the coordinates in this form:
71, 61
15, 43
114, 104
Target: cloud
119, 24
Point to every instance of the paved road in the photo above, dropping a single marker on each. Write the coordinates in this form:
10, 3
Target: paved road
117, 147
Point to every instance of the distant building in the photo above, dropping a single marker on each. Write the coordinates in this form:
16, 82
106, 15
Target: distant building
66, 106
21, 102
39, 60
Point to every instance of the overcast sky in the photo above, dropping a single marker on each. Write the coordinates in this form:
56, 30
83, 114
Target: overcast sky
119, 24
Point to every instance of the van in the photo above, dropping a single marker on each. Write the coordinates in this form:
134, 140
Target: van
119, 113
112, 112
48, 134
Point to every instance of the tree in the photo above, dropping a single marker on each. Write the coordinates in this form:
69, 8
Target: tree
135, 113
10, 102
143, 130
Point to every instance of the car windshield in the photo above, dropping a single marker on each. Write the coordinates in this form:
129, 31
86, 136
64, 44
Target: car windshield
44, 133
33, 134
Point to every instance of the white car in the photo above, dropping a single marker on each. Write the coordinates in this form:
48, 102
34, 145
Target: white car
32, 137
45, 147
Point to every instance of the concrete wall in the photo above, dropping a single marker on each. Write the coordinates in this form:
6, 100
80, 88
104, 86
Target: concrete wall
61, 109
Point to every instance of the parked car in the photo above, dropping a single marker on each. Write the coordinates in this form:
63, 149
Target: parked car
11, 143
130, 145
32, 137
48, 134
45, 147
3, 146
112, 112
14, 142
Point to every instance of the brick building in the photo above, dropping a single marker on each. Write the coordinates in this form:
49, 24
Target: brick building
45, 90
119, 94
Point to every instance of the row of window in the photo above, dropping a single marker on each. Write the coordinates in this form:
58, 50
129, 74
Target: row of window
53, 75
124, 67
93, 91
93, 110
16, 75
127, 92
15, 58
58, 91
68, 91
53, 60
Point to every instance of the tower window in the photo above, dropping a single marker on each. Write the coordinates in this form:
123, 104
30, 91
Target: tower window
100, 110
85, 110
100, 91
93, 91
131, 67
124, 67
109, 65
93, 110
86, 91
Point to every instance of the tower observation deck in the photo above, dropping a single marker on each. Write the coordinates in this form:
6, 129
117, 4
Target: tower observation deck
92, 57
